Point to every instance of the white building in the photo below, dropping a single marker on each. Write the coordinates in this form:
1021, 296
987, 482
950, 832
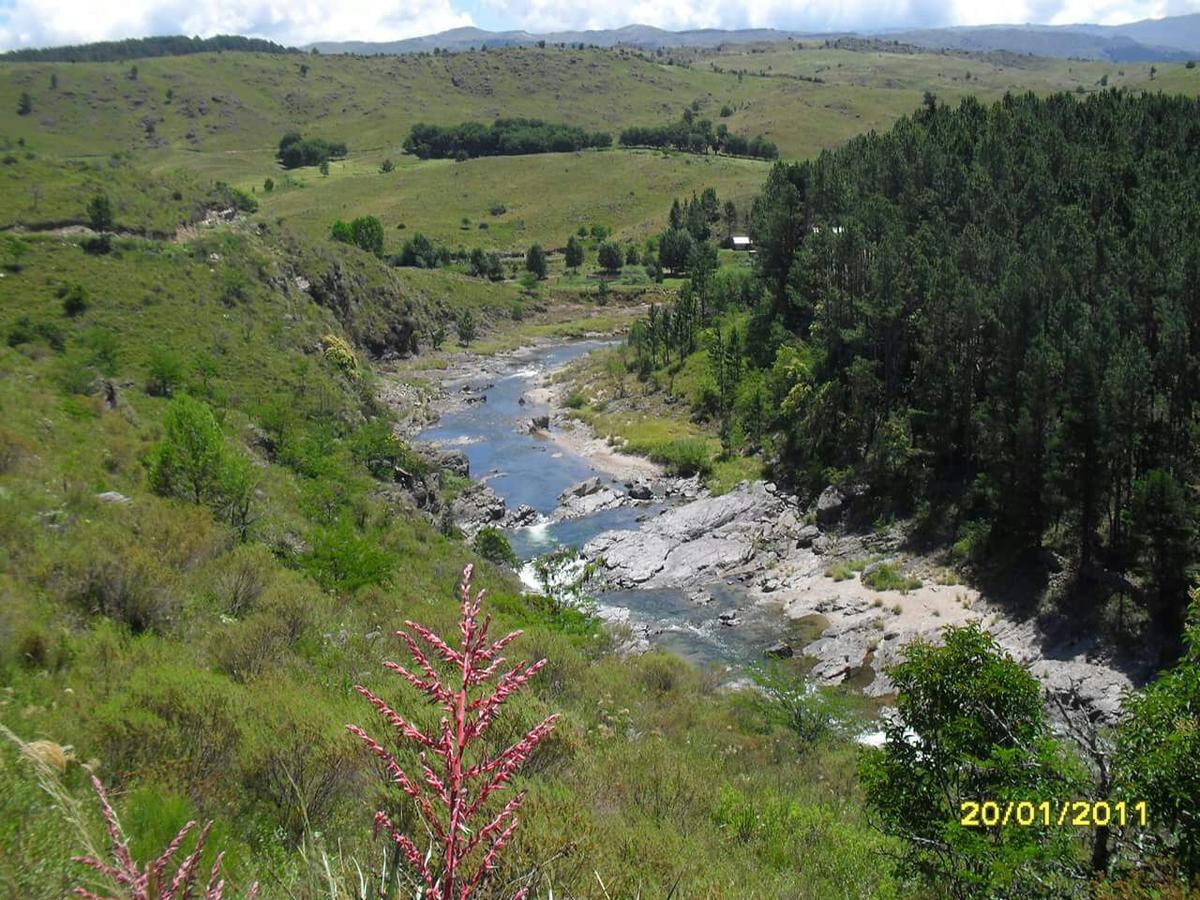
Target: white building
742, 242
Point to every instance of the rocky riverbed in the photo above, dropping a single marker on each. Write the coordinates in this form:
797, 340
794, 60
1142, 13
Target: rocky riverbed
762, 538
728, 565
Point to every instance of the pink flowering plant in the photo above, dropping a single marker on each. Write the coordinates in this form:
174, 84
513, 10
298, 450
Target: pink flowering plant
455, 794
154, 881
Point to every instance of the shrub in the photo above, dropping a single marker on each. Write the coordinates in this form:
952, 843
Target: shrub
376, 448
454, 790
421, 253
465, 325
344, 559
172, 720
788, 699
338, 351
535, 261
295, 150
564, 577
242, 577
386, 166
164, 373
685, 457
1158, 748
74, 300
268, 185
576, 400
100, 214
188, 460
103, 350
126, 584
886, 577
492, 545
971, 726
365, 232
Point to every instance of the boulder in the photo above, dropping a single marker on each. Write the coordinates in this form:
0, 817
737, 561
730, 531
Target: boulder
113, 497
580, 489
779, 650
539, 423
830, 505
806, 535
822, 544
457, 462
639, 490
522, 515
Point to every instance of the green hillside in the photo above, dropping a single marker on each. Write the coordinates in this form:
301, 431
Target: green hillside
209, 527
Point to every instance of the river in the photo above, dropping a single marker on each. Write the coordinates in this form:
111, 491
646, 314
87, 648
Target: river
525, 468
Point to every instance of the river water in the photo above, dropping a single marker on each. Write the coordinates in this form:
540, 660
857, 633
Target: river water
526, 468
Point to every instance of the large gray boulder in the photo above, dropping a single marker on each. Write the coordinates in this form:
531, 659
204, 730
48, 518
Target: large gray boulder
456, 461
830, 505
806, 535
580, 489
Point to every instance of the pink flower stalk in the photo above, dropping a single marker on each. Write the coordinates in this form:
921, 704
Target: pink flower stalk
452, 791
151, 882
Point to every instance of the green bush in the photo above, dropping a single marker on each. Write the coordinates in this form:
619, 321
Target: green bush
124, 582
467, 330
786, 698
971, 727
188, 460
576, 400
365, 232
164, 372
685, 457
886, 577
174, 721
376, 447
492, 545
74, 299
345, 559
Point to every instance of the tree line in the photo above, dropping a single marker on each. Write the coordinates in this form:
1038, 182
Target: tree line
695, 135
504, 137
295, 150
1001, 307
145, 48
990, 318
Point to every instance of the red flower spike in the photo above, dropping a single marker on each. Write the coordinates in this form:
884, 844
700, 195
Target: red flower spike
453, 791
149, 883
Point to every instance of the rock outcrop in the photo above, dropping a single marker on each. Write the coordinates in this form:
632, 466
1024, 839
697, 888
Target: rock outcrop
688, 544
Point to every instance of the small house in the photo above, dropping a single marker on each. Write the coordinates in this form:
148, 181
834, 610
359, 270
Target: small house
742, 242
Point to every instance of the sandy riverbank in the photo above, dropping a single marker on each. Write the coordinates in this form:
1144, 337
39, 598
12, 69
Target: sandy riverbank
577, 437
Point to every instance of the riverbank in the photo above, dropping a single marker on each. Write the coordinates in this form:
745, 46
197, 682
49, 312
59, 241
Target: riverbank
753, 570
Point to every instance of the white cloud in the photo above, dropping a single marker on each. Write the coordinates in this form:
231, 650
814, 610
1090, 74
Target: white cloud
819, 15
35, 23
46, 22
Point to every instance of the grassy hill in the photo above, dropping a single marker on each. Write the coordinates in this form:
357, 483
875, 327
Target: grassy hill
201, 665
220, 116
243, 102
510, 202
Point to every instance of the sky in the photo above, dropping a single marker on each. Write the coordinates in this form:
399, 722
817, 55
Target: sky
39, 23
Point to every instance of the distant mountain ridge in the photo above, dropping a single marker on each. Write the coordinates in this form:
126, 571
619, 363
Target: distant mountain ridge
1173, 38
1168, 39
644, 36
